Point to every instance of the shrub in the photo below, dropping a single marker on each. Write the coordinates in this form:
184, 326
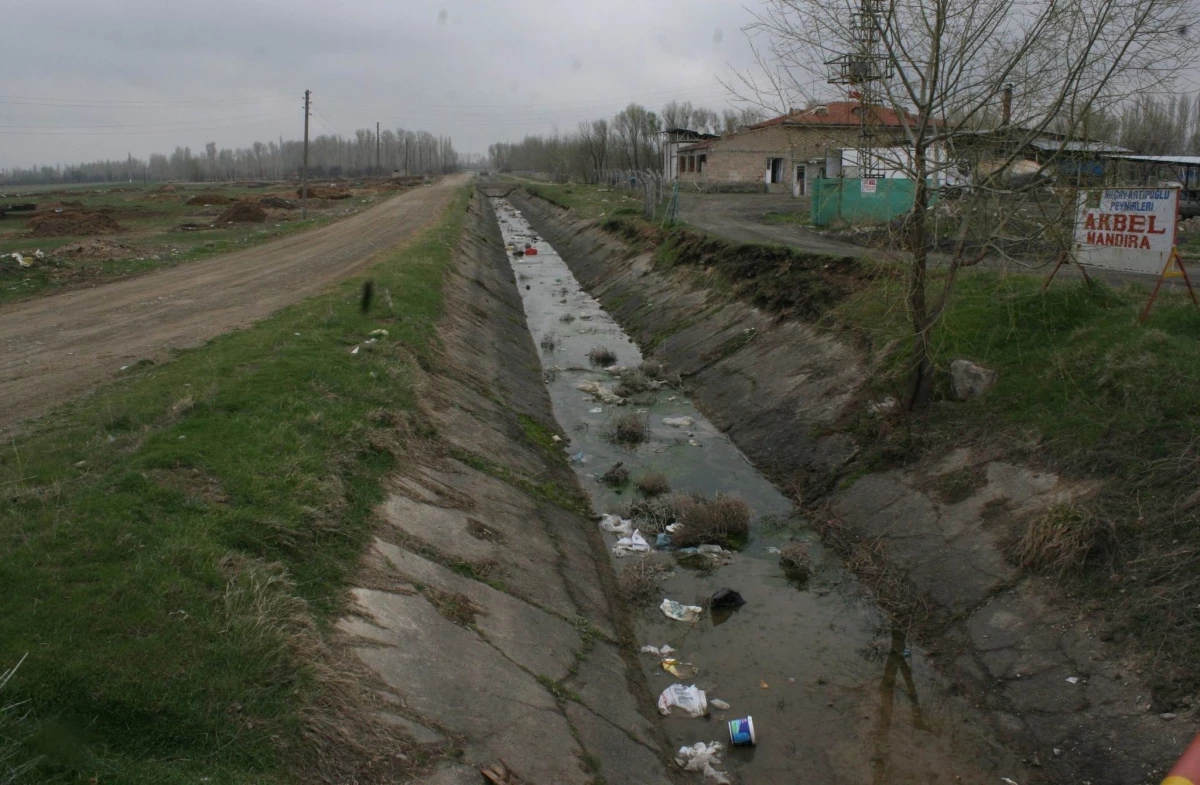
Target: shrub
722, 520
549, 342
617, 476
654, 484
639, 581
628, 429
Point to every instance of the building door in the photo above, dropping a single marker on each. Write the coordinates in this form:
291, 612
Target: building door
776, 171
801, 183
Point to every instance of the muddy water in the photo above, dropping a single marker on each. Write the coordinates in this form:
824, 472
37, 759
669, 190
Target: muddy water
836, 696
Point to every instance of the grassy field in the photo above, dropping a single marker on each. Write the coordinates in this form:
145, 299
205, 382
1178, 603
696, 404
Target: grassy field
151, 220
1083, 390
173, 546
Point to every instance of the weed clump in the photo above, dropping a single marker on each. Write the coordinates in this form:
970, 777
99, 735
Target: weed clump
549, 342
628, 429
632, 382
601, 356
722, 520
654, 484
653, 515
658, 372
617, 476
567, 318
796, 562
1061, 539
638, 583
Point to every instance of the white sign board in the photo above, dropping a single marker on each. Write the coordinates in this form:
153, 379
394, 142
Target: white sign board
868, 185
1127, 229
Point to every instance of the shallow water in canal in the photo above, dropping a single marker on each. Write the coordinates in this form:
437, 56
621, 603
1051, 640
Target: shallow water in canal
836, 695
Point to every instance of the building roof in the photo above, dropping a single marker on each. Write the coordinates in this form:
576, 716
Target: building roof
688, 133
699, 145
833, 113
1177, 160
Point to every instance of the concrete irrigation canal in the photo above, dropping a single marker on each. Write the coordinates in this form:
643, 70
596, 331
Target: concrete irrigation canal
835, 693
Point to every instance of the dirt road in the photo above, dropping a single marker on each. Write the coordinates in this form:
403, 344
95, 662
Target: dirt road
60, 347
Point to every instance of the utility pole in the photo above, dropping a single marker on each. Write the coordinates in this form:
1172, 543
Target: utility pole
406, 155
377, 169
304, 167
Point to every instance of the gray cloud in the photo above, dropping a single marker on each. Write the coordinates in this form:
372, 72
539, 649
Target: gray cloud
477, 71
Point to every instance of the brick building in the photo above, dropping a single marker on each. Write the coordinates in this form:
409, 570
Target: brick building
787, 151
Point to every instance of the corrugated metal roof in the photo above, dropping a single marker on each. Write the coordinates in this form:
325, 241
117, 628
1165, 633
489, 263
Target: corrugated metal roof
1077, 147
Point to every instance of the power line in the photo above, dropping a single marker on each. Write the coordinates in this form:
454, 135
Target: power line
104, 104
137, 133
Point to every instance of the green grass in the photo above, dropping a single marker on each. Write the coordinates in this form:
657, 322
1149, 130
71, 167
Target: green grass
591, 202
798, 218
151, 230
166, 543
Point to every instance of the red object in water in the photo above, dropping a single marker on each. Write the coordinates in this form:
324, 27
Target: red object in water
531, 252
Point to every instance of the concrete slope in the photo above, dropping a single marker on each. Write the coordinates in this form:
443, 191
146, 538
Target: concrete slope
59, 347
484, 609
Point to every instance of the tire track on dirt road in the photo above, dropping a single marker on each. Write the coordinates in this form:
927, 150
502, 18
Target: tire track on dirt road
60, 347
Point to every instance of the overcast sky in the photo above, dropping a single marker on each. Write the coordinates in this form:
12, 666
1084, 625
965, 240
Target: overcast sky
88, 79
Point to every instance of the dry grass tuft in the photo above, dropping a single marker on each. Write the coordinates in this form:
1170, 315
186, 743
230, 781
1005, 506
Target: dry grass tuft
796, 563
628, 429
654, 484
639, 581
549, 342
722, 520
454, 606
653, 514
602, 356
1061, 539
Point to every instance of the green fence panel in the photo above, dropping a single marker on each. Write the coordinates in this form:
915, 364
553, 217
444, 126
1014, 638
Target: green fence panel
844, 199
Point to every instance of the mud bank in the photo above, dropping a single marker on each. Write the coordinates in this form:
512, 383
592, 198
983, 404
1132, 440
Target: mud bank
1038, 672
483, 607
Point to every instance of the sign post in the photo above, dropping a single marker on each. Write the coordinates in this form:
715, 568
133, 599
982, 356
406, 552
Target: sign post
1129, 230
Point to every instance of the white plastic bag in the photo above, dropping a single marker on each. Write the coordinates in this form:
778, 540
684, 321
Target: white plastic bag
679, 422
674, 610
658, 651
614, 524
688, 700
703, 757
634, 543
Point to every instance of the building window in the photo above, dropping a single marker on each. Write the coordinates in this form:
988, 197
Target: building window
682, 165
701, 161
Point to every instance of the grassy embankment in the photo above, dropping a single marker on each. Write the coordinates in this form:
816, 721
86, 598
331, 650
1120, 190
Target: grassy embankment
173, 546
151, 221
1083, 390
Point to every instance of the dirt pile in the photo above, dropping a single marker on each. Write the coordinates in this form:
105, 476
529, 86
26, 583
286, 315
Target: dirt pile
72, 223
242, 213
208, 199
165, 189
278, 202
94, 251
320, 192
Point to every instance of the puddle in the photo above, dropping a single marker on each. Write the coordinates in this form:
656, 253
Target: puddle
836, 696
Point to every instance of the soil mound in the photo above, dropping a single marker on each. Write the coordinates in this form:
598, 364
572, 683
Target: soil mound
318, 192
164, 189
243, 213
94, 251
278, 202
207, 199
71, 223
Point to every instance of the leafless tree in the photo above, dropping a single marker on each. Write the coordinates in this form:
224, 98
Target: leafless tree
943, 66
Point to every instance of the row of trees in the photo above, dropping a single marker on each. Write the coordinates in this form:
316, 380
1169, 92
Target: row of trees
631, 139
414, 152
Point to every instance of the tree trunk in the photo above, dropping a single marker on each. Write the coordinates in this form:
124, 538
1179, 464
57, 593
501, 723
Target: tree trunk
920, 374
